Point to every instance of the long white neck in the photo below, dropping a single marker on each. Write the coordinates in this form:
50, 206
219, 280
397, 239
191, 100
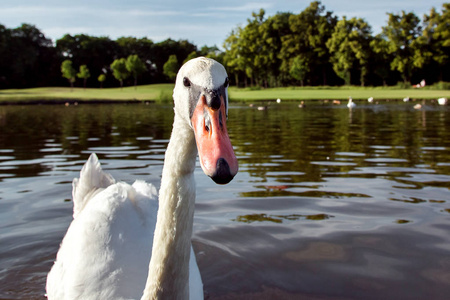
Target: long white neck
168, 276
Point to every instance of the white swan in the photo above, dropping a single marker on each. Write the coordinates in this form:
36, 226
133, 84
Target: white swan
119, 244
442, 101
350, 103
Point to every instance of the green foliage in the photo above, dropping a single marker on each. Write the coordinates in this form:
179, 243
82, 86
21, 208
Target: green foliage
299, 68
68, 71
135, 66
435, 39
84, 74
171, 67
441, 85
120, 71
101, 78
401, 33
349, 44
307, 36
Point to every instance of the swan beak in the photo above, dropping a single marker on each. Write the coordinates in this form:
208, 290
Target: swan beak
215, 151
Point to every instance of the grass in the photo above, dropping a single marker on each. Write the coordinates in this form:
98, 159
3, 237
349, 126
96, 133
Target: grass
153, 92
338, 93
163, 93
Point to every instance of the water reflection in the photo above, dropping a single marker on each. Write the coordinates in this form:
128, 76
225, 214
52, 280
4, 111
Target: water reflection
279, 218
358, 201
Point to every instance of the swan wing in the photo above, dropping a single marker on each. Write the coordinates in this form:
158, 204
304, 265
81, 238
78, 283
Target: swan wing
92, 180
107, 248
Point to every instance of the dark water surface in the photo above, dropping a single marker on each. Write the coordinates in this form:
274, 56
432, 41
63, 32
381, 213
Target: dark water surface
329, 203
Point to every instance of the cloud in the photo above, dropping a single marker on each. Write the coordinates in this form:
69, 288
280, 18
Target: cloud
246, 7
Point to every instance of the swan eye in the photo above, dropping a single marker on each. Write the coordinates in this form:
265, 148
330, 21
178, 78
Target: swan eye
186, 82
227, 83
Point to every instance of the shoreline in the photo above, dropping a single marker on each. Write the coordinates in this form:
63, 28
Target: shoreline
162, 93
72, 101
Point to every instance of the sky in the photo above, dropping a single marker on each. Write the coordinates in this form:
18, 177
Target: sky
201, 22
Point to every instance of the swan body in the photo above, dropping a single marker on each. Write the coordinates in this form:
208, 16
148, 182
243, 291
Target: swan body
124, 242
350, 103
105, 243
442, 101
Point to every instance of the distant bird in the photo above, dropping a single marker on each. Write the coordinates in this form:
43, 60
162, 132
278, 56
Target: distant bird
302, 104
278, 100
337, 102
262, 107
442, 101
370, 99
350, 103
418, 106
406, 99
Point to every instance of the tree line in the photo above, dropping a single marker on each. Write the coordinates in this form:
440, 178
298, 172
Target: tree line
313, 47
29, 59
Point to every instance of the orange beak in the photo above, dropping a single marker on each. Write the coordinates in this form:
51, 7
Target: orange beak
215, 151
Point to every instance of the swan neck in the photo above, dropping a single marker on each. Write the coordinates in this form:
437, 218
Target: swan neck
169, 266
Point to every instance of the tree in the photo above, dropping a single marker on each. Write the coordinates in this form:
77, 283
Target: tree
310, 31
68, 72
349, 44
135, 66
401, 33
162, 51
28, 57
436, 38
119, 68
232, 58
380, 48
272, 31
84, 74
96, 53
171, 67
299, 68
101, 78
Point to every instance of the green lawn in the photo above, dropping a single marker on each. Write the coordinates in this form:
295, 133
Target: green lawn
338, 93
155, 92
163, 92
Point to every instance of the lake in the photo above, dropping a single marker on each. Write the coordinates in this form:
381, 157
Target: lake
329, 203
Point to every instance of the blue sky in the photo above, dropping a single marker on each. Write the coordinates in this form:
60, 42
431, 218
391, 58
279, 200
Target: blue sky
202, 22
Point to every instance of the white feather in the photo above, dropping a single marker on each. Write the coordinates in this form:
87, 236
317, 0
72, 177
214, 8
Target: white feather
106, 251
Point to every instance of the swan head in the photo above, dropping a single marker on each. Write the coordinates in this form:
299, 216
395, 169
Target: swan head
201, 99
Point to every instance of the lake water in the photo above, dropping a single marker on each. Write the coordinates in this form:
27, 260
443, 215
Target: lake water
328, 204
